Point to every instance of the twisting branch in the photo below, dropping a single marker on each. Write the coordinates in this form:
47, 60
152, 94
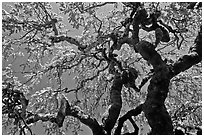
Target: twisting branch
44, 118
111, 115
154, 108
67, 110
189, 60
57, 39
128, 115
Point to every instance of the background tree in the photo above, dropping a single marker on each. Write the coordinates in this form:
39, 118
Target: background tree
55, 73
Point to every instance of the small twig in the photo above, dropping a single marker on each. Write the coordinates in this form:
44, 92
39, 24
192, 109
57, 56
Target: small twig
99, 5
45, 10
101, 23
85, 80
26, 33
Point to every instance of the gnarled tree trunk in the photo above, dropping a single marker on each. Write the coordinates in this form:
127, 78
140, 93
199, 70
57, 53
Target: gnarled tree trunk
154, 107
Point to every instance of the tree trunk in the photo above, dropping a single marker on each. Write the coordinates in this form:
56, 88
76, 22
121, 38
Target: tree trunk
154, 107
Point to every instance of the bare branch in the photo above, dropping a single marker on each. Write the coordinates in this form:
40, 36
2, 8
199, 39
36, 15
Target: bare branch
99, 5
71, 40
66, 110
75, 111
85, 80
44, 118
187, 61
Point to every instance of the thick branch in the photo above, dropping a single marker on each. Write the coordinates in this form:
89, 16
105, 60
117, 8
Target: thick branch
154, 108
36, 117
111, 116
187, 61
135, 127
128, 115
140, 16
66, 110
148, 52
57, 39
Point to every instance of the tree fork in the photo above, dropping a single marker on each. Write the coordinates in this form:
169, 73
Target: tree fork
154, 107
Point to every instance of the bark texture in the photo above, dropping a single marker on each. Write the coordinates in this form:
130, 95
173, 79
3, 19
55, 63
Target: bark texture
154, 107
115, 106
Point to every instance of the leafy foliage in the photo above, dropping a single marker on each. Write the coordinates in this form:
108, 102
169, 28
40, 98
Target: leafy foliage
43, 70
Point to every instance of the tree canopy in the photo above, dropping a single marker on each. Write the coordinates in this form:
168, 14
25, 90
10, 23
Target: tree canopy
102, 68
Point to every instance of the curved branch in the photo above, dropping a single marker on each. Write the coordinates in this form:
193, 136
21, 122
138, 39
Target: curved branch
66, 110
43, 117
128, 115
135, 127
57, 39
148, 52
187, 61
111, 116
